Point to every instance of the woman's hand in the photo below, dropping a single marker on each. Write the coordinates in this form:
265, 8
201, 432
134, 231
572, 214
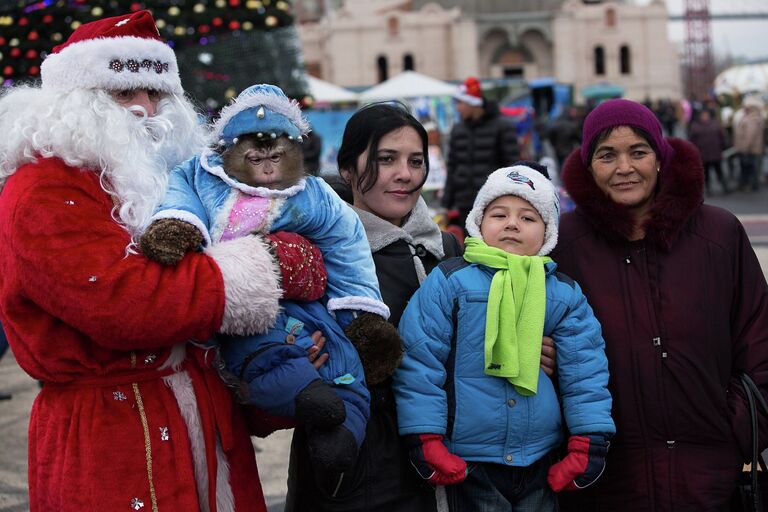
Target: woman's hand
301, 266
548, 356
313, 352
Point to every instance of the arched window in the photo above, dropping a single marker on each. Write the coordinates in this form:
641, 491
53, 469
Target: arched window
610, 17
625, 60
383, 67
599, 60
408, 62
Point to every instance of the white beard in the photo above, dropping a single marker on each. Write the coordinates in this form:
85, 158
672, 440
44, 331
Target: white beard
86, 128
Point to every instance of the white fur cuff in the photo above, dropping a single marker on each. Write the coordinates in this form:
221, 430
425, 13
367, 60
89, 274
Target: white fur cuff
251, 284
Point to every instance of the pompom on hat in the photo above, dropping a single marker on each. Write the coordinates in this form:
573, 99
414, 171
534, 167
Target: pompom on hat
115, 54
527, 180
621, 112
260, 109
470, 92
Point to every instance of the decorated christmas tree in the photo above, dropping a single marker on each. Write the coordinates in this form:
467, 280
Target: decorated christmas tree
222, 46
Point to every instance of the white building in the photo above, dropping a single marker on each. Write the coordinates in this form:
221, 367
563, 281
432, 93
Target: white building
367, 41
580, 42
616, 43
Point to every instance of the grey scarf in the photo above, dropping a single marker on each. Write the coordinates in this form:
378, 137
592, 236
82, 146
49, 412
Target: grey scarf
418, 229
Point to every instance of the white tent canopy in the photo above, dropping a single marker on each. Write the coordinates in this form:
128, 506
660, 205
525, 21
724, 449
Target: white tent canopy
326, 92
743, 79
407, 84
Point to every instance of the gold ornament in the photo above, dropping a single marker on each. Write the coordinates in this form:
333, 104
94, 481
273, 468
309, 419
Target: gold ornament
173, 11
199, 8
271, 21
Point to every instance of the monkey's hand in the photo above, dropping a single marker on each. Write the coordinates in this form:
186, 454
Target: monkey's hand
378, 344
166, 241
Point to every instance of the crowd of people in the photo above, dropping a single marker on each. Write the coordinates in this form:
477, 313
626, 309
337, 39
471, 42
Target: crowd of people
583, 361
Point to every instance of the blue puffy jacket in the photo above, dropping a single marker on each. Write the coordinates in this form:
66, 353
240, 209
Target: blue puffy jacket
441, 388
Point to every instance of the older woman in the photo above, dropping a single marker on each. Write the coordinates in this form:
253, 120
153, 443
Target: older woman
684, 309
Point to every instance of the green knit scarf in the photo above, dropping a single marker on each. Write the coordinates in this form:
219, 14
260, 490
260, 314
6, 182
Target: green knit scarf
514, 321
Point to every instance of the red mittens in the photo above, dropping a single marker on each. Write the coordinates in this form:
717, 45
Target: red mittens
301, 265
582, 466
433, 461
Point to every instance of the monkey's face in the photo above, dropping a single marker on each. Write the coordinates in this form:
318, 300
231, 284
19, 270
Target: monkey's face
271, 163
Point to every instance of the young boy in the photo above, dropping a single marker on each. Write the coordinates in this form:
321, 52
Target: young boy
476, 409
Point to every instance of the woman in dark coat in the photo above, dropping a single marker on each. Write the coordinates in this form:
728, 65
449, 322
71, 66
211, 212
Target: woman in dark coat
684, 309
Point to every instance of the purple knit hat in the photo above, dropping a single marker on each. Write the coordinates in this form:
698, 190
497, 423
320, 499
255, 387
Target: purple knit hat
621, 112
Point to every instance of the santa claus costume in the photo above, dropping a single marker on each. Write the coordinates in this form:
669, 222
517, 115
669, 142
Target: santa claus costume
131, 416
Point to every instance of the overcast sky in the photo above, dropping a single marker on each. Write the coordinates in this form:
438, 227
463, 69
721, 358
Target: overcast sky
740, 38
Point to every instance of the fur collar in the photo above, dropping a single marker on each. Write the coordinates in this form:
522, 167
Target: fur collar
679, 193
419, 229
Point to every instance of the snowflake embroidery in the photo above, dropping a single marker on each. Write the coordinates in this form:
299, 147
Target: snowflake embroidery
164, 436
136, 504
119, 396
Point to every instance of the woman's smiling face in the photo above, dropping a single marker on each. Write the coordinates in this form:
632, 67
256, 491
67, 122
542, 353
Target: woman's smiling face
401, 166
625, 167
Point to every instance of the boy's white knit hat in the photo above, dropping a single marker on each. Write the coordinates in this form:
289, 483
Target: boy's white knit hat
529, 181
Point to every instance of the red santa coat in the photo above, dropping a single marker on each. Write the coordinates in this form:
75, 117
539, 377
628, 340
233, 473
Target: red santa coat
109, 431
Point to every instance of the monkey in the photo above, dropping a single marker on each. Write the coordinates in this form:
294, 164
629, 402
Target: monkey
252, 180
259, 162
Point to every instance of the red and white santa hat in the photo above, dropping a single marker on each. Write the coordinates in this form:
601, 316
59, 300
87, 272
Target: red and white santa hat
119, 53
470, 92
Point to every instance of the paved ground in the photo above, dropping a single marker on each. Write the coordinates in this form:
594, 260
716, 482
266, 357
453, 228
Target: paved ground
272, 454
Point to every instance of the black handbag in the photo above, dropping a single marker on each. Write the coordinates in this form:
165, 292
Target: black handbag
749, 497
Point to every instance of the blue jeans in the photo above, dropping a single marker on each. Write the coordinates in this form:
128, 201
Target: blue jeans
497, 488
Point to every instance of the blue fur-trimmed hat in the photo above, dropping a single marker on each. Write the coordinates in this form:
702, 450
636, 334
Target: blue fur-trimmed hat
262, 109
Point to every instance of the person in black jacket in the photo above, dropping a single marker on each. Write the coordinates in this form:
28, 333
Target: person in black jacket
383, 157
480, 143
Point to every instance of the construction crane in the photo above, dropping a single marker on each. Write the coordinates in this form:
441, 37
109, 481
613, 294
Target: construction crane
698, 61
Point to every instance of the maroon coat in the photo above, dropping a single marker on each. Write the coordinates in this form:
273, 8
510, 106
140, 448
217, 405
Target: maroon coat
683, 312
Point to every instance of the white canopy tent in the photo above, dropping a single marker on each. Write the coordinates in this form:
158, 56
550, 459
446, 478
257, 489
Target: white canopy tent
326, 92
743, 79
408, 84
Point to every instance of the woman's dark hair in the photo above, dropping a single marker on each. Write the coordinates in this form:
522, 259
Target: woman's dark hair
365, 129
605, 133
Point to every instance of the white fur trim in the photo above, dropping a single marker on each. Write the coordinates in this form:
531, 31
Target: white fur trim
359, 304
468, 99
176, 357
225, 500
219, 172
181, 385
288, 108
251, 285
186, 217
543, 196
86, 65
221, 219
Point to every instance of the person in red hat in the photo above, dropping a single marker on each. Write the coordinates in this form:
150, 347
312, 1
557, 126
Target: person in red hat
132, 415
481, 142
